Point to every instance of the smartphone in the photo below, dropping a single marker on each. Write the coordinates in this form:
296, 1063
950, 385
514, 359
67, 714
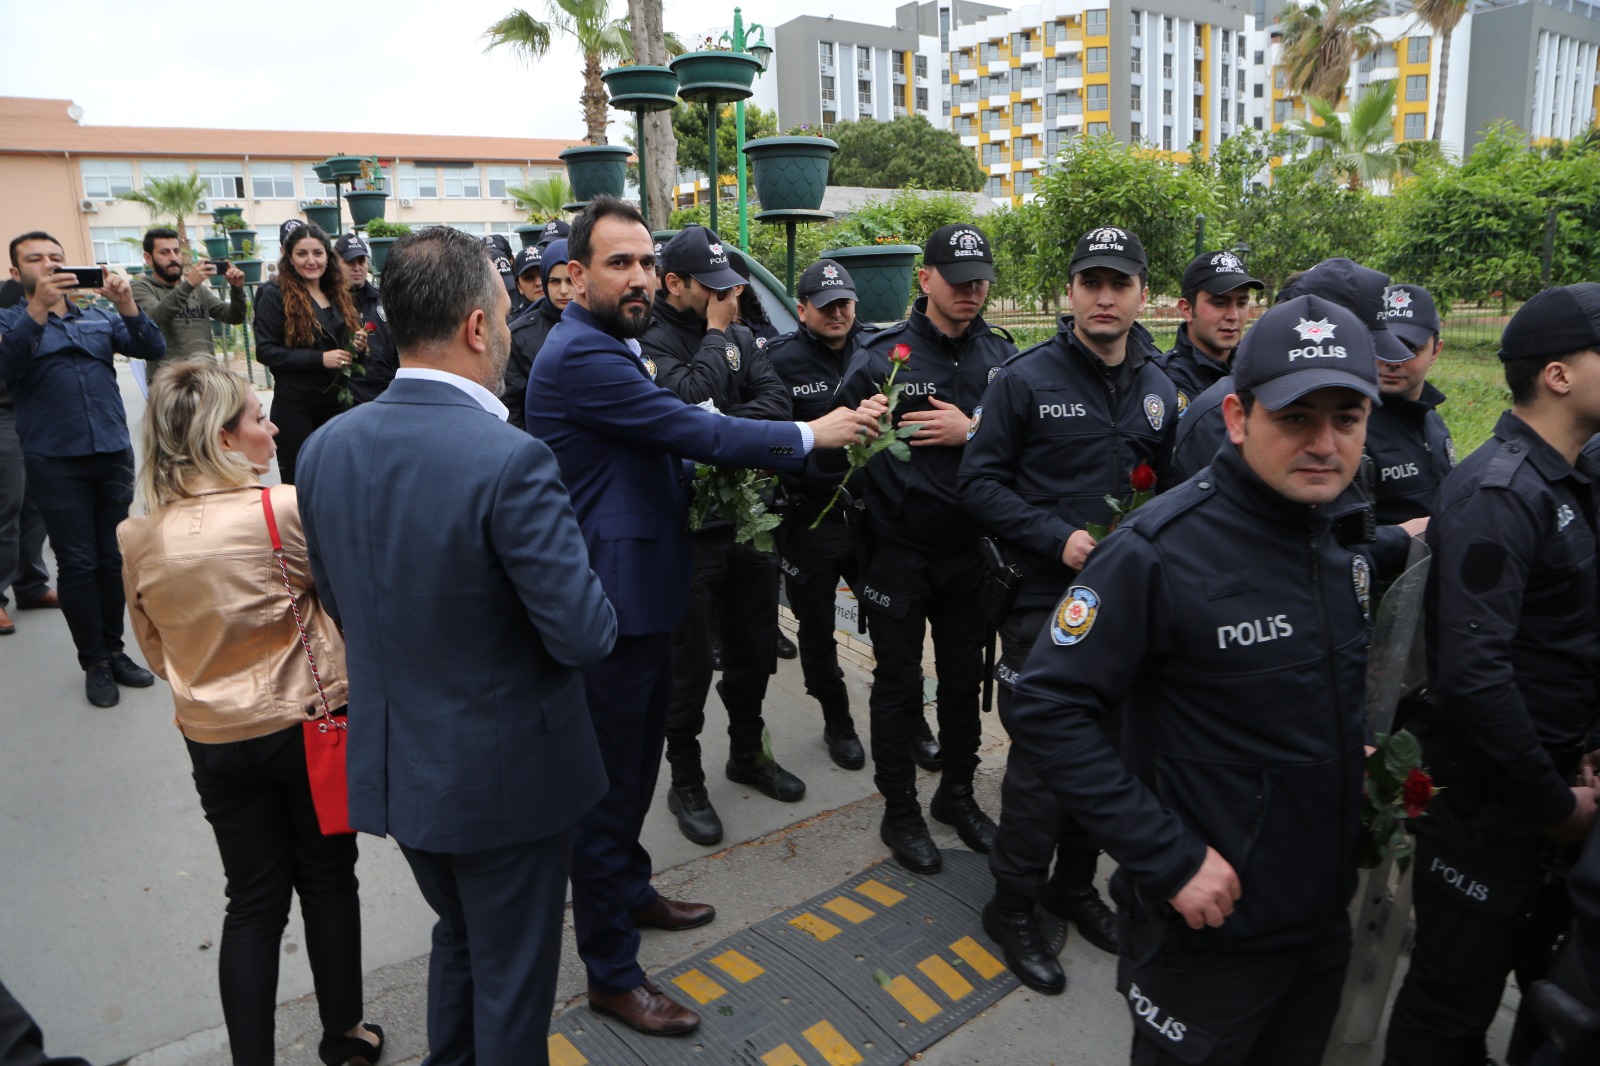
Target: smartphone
88, 277
221, 265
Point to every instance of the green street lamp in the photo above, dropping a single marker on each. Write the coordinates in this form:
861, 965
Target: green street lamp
739, 41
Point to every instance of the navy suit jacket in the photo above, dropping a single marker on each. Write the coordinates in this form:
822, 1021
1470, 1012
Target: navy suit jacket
621, 440
443, 542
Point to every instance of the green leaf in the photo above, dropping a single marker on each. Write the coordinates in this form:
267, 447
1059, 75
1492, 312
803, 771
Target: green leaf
1097, 531
882, 978
1401, 754
900, 450
907, 430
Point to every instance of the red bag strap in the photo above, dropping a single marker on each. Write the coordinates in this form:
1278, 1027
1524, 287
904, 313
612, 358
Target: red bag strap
294, 601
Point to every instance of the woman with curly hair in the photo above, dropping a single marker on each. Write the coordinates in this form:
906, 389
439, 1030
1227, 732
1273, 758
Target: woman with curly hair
306, 325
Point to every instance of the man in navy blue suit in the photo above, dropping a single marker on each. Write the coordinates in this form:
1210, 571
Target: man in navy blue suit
621, 441
469, 741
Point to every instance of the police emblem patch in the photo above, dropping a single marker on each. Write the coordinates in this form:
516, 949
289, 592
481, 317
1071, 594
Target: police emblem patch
733, 358
1361, 579
994, 372
1319, 330
977, 420
1564, 517
830, 271
1450, 450
1155, 409
383, 316
1183, 402
649, 366
1076, 615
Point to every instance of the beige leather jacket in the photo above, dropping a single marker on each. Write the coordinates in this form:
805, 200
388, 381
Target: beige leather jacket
213, 618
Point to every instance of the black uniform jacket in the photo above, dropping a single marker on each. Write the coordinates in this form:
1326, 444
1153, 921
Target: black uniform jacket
1201, 430
916, 503
381, 360
1192, 372
1058, 431
811, 372
1411, 453
528, 331
700, 364
1231, 627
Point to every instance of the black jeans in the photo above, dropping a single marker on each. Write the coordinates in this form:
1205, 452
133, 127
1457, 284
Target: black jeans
21, 526
82, 499
814, 560
258, 800
296, 421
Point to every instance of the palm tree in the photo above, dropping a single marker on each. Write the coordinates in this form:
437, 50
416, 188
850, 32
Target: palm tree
1442, 16
1358, 149
171, 199
1321, 39
602, 40
542, 200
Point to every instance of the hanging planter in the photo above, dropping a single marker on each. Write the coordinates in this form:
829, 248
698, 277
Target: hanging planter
596, 170
322, 172
365, 205
791, 173
883, 278
642, 88
528, 233
344, 166
134, 270
252, 270
379, 249
216, 247
713, 75
324, 216
220, 213
237, 238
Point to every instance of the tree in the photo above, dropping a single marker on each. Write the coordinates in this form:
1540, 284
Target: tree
1442, 16
171, 199
1358, 150
908, 152
1321, 39
689, 126
650, 48
602, 40
542, 200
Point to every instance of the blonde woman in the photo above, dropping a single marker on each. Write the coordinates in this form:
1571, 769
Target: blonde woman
211, 612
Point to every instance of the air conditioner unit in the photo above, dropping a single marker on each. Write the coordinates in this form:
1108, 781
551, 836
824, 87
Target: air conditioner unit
405, 201
509, 203
204, 207
305, 204
88, 207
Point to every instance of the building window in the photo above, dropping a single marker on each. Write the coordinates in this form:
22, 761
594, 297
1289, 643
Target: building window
994, 188
1136, 23
1052, 144
944, 28
1097, 60
1014, 82
919, 66
1416, 87
1097, 129
991, 121
1417, 49
1136, 98
1023, 182
1070, 67
825, 53
991, 154
1071, 103
315, 189
1258, 122
224, 180
111, 245
153, 170
1031, 78
1166, 138
1166, 66
463, 185
1260, 58
474, 228
1136, 61
1135, 132
1096, 97
899, 63
991, 52
864, 93
827, 89
272, 181
1282, 110
1166, 101
947, 109
418, 183
104, 179
1280, 79
863, 60
1416, 126
1167, 33
1241, 116
501, 177
922, 99
1094, 22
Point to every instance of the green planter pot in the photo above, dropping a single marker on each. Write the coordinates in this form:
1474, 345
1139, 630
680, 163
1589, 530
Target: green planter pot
344, 166
642, 88
882, 276
252, 270
219, 213
365, 205
323, 173
134, 270
327, 218
791, 173
237, 237
596, 170
723, 76
379, 246
216, 247
528, 233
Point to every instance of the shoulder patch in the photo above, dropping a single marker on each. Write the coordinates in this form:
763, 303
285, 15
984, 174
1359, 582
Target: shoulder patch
1361, 580
733, 357
1183, 402
1155, 411
994, 372
977, 420
1450, 449
1075, 616
649, 366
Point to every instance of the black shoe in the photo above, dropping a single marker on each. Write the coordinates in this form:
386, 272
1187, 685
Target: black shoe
925, 750
953, 804
127, 672
766, 777
844, 746
1084, 908
1025, 950
697, 819
786, 648
907, 836
100, 686
337, 1050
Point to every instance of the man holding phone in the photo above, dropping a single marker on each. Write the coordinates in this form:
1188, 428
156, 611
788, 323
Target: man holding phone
176, 295
57, 358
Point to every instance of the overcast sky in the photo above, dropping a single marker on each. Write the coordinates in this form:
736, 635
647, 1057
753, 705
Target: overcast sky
392, 66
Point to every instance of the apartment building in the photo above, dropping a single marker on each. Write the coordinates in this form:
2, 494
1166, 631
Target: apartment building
63, 176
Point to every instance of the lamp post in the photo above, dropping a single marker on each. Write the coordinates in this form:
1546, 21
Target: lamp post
738, 41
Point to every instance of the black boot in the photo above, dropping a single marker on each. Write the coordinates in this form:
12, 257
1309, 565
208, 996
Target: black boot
953, 804
907, 836
786, 648
839, 734
924, 749
1082, 905
1024, 947
765, 775
697, 819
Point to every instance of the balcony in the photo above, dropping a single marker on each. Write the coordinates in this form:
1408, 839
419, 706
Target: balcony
970, 140
965, 74
1069, 118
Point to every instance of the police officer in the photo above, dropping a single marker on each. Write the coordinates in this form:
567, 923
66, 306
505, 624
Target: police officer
499, 247
529, 329
1229, 623
554, 230
701, 354
1062, 427
810, 361
530, 283
380, 362
1409, 443
1514, 650
922, 567
1215, 306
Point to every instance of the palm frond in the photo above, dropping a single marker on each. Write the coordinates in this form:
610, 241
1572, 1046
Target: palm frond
522, 33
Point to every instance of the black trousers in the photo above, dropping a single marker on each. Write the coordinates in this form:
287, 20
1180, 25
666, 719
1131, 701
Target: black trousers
814, 561
257, 798
21, 1042
1235, 1008
1033, 828
82, 499
905, 595
22, 533
297, 420
738, 586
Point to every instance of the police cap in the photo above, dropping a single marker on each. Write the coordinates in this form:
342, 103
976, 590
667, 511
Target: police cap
554, 230
824, 282
350, 247
1111, 247
1359, 288
528, 259
698, 253
1301, 345
1554, 322
1412, 315
1217, 272
960, 253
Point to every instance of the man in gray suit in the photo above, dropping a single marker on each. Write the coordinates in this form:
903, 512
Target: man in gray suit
443, 542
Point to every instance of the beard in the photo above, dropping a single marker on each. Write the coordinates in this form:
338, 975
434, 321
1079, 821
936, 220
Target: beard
170, 273
623, 323
499, 357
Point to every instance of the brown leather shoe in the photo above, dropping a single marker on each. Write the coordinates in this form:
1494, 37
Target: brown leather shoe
674, 915
47, 598
646, 1009
7, 626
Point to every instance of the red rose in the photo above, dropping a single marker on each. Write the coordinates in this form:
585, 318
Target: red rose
901, 354
370, 327
1143, 478
1416, 793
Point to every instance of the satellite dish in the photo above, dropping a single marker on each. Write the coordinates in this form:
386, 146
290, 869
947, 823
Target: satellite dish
75, 113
